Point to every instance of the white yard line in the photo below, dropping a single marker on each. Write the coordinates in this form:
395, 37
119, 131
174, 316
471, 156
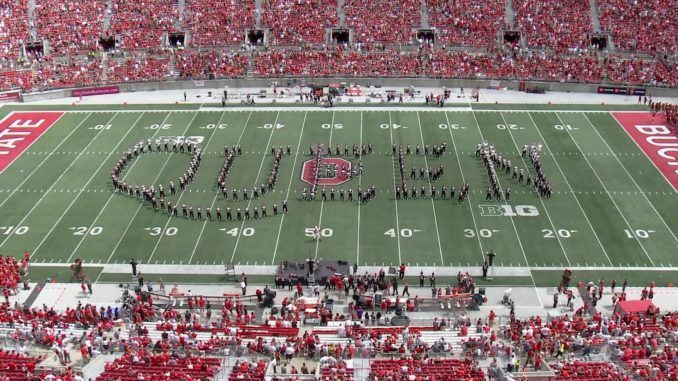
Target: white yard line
360, 184
393, 163
433, 206
101, 211
629, 174
141, 204
181, 195
605, 188
322, 202
515, 229
463, 179
204, 224
80, 191
571, 190
289, 187
256, 182
45, 159
312, 108
58, 179
528, 169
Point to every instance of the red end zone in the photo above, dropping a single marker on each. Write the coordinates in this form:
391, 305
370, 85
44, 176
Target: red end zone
19, 130
659, 143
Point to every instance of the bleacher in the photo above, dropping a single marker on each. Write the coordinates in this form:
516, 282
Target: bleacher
160, 367
440, 369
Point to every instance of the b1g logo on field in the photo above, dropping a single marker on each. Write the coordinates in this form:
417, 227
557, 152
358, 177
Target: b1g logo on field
333, 171
508, 210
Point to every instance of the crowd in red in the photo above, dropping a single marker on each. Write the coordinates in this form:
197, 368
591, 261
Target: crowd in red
245, 370
135, 68
297, 22
68, 72
16, 367
426, 369
71, 27
560, 25
13, 30
466, 22
141, 24
143, 364
645, 26
383, 21
211, 64
638, 71
215, 23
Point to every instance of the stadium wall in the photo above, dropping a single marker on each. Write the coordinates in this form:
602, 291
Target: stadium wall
364, 82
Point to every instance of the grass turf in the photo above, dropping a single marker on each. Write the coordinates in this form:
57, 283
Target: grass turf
585, 224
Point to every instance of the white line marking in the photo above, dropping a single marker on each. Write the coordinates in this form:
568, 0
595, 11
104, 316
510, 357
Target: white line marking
572, 191
256, 182
322, 202
169, 218
463, 179
202, 230
515, 229
287, 195
109, 198
360, 183
528, 169
57, 180
433, 206
393, 163
605, 188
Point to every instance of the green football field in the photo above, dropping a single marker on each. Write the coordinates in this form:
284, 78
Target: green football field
610, 207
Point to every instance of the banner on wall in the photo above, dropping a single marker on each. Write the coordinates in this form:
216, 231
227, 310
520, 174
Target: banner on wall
95, 91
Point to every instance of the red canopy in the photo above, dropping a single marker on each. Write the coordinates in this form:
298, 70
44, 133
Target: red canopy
633, 306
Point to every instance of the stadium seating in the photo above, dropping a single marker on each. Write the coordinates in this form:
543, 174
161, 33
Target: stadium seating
466, 22
141, 24
17, 367
561, 25
296, 22
441, 369
587, 371
70, 72
22, 79
248, 371
383, 21
645, 26
13, 29
218, 23
71, 26
211, 64
146, 366
138, 68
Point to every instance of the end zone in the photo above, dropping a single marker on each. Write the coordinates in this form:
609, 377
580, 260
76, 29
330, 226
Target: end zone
655, 139
19, 130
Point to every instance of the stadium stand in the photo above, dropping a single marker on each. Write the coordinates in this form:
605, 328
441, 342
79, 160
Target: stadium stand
644, 26
383, 21
211, 64
440, 369
141, 24
297, 22
13, 30
218, 23
563, 26
466, 22
71, 27
144, 365
138, 68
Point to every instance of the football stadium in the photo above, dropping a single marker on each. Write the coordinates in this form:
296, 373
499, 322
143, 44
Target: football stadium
291, 190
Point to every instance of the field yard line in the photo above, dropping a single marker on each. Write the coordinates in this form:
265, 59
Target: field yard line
571, 190
433, 206
540, 198
515, 229
606, 191
390, 130
134, 216
360, 184
289, 186
322, 202
45, 159
202, 230
475, 225
629, 174
256, 182
101, 211
112, 151
183, 192
59, 178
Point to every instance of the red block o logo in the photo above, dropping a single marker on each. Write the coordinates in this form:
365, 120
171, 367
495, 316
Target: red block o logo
308, 171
